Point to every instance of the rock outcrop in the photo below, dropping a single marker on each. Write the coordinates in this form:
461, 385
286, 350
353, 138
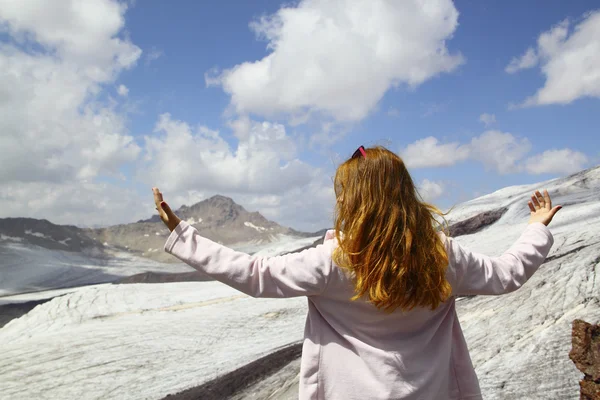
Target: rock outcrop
585, 353
476, 223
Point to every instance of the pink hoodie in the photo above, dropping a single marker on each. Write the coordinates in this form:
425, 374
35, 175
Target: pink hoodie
354, 351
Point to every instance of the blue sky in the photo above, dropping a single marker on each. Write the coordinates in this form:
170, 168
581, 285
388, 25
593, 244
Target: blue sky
187, 103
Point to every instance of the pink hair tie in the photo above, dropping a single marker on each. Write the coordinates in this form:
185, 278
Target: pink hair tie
359, 151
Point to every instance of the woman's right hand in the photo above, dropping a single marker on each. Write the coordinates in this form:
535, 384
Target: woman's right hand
541, 208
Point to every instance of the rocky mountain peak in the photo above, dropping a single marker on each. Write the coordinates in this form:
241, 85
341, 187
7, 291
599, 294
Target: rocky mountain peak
221, 200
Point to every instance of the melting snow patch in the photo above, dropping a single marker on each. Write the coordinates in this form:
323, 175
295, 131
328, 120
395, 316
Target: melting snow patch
146, 235
64, 241
36, 234
11, 238
192, 221
258, 228
157, 233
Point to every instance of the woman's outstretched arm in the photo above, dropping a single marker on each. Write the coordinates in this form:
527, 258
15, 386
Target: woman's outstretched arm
474, 273
298, 274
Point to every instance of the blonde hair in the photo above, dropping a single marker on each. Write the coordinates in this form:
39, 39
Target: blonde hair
388, 236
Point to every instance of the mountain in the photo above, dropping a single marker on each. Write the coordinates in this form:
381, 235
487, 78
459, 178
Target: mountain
39, 255
218, 218
45, 234
196, 338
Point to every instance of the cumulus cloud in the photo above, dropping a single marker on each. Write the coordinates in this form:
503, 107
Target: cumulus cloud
487, 119
497, 151
570, 60
429, 152
75, 203
430, 190
565, 161
58, 137
339, 58
180, 158
53, 129
62, 143
527, 60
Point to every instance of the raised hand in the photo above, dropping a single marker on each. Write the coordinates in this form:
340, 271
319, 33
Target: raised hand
541, 208
164, 211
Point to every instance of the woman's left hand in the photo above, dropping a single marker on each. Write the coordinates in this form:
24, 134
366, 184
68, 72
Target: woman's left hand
164, 211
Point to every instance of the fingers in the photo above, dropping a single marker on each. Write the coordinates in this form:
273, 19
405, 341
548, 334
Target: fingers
158, 197
534, 200
166, 208
540, 199
547, 199
555, 210
530, 204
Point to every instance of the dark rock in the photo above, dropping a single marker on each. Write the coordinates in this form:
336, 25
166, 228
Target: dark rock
235, 381
476, 223
43, 233
164, 277
10, 311
585, 353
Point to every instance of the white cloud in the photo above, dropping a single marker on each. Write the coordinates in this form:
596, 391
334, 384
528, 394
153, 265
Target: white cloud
61, 142
429, 152
53, 128
499, 151
181, 158
430, 190
84, 34
58, 137
339, 58
565, 161
123, 90
487, 119
570, 61
527, 60
75, 203
496, 150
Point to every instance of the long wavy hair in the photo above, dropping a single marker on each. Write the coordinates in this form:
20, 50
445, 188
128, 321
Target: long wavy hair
387, 235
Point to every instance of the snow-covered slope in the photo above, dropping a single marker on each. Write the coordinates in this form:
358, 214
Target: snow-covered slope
29, 268
139, 341
147, 341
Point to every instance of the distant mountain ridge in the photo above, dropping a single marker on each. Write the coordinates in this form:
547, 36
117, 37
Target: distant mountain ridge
218, 218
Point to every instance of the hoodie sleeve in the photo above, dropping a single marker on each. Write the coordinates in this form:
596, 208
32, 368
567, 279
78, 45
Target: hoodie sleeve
472, 273
298, 274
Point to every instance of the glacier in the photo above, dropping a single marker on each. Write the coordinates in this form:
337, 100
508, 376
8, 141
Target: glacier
150, 340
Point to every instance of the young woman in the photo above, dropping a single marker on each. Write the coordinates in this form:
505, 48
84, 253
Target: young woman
381, 289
